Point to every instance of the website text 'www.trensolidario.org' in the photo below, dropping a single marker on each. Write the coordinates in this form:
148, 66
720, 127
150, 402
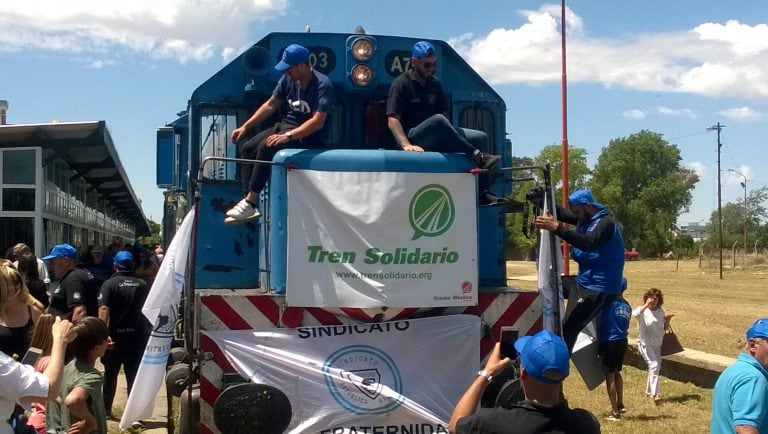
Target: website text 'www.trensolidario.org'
389, 275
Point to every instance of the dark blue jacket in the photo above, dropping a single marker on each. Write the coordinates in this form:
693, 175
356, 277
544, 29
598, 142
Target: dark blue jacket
598, 248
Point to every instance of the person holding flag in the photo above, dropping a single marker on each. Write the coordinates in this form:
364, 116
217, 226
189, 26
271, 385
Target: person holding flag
598, 248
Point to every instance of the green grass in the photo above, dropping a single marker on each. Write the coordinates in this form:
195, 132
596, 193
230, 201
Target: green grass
711, 315
685, 408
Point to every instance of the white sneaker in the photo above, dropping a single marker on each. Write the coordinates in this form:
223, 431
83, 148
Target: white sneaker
242, 212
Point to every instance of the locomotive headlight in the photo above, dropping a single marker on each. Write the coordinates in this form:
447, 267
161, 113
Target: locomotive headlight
362, 50
362, 74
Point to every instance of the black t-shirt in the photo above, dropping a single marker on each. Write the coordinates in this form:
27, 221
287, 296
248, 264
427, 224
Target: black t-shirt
37, 289
413, 102
77, 287
529, 418
124, 295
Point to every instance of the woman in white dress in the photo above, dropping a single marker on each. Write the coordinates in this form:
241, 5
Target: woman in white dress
20, 383
652, 321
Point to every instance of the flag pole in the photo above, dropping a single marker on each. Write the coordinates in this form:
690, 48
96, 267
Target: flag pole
564, 145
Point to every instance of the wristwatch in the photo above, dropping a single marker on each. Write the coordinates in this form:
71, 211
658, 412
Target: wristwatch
485, 374
289, 134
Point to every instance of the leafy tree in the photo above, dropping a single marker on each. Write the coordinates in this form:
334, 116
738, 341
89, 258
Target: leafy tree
683, 245
577, 167
518, 245
641, 181
517, 223
154, 236
733, 219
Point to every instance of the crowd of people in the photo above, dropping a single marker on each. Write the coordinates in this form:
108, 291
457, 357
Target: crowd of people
59, 315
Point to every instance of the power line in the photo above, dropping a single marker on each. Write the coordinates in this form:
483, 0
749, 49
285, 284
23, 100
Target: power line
689, 135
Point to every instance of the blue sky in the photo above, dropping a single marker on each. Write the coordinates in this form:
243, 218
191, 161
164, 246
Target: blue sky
670, 66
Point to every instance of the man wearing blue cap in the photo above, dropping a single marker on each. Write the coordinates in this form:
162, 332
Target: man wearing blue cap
307, 96
598, 247
75, 297
120, 301
417, 113
544, 364
740, 398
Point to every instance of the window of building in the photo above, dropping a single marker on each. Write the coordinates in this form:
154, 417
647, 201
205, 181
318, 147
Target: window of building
17, 188
18, 199
19, 166
17, 230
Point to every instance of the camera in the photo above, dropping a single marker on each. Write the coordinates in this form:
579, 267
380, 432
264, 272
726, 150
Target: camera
507, 340
536, 197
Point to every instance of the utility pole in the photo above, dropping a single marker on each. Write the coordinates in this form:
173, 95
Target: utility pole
718, 128
743, 184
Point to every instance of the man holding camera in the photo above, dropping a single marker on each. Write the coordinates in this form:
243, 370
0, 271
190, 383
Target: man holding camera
308, 98
544, 364
598, 248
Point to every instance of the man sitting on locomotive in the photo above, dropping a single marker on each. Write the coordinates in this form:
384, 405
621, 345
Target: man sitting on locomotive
417, 114
308, 97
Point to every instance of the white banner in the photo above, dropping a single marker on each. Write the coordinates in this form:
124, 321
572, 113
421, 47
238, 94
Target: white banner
161, 309
373, 239
399, 376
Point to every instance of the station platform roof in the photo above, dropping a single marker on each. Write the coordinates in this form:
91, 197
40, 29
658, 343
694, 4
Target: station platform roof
88, 149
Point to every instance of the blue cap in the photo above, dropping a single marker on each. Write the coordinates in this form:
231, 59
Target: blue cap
759, 329
583, 197
422, 49
293, 54
124, 259
543, 352
62, 250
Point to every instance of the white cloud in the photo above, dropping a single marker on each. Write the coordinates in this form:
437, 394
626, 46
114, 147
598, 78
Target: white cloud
699, 168
684, 112
711, 59
178, 29
742, 114
633, 114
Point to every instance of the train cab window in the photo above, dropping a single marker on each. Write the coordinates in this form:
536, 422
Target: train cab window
215, 132
479, 118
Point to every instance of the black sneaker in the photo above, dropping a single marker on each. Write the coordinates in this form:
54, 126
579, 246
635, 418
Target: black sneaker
485, 161
489, 199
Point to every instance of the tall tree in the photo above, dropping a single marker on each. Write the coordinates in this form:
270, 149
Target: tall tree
518, 244
641, 181
733, 219
577, 167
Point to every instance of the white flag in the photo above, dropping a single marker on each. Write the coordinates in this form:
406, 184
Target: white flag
551, 291
161, 309
398, 376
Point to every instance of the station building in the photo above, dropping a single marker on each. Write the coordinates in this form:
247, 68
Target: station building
63, 182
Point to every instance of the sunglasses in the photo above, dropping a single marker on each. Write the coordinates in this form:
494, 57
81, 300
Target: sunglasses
429, 65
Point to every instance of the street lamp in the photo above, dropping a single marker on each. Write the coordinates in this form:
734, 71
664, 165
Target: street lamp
743, 184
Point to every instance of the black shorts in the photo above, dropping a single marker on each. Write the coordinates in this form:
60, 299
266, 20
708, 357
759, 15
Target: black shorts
612, 354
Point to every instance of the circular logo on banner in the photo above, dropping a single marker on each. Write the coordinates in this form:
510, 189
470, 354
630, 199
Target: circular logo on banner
165, 325
431, 212
466, 287
363, 380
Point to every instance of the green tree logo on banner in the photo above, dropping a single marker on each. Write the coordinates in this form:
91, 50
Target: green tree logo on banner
431, 212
